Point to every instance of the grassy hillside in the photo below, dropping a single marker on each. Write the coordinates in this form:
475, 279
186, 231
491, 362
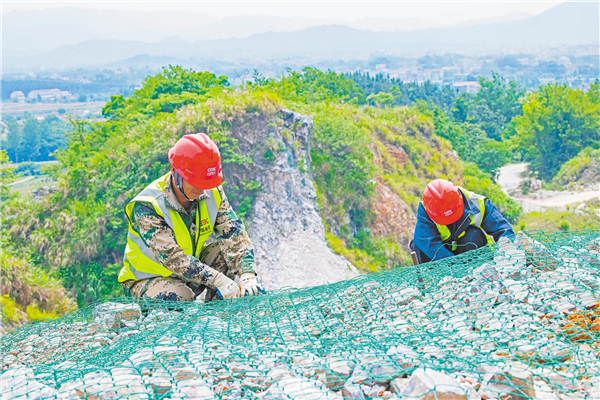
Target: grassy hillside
581, 170
369, 163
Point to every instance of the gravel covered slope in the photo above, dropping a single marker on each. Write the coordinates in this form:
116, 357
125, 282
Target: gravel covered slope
519, 322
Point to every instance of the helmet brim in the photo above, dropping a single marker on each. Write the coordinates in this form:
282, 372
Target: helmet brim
205, 184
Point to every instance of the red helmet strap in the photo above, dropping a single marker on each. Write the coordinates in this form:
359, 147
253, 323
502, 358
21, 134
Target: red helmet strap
179, 183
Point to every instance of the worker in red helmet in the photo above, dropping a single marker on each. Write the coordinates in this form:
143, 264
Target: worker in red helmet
451, 221
184, 240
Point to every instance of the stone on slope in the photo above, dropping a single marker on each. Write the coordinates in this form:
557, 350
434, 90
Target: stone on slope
514, 380
428, 384
352, 391
20, 383
114, 315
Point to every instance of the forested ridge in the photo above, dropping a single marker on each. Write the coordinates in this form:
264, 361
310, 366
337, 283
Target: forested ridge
369, 133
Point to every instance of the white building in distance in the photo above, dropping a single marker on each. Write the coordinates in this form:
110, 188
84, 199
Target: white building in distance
49, 95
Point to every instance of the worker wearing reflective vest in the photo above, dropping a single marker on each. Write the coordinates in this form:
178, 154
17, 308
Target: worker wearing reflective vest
184, 240
452, 220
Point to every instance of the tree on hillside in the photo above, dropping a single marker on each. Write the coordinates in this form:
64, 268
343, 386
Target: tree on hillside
311, 85
557, 123
405, 93
32, 138
14, 138
35, 140
7, 176
170, 90
470, 141
460, 110
493, 107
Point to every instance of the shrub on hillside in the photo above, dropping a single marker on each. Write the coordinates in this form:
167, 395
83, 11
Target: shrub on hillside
581, 169
28, 292
557, 123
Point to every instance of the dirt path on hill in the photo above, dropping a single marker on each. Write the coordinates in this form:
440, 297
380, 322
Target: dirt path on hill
510, 178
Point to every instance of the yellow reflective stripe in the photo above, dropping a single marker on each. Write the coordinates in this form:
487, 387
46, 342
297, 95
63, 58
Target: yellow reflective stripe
211, 205
137, 252
444, 232
182, 233
141, 245
139, 275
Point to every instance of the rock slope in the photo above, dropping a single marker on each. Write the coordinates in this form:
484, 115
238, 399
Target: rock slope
285, 223
518, 323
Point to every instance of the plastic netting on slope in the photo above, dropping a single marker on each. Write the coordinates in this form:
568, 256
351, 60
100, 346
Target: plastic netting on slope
518, 322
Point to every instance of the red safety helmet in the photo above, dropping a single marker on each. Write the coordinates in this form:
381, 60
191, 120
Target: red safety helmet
443, 202
196, 159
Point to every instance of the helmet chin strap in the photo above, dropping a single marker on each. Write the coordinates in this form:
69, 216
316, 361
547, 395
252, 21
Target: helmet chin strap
179, 184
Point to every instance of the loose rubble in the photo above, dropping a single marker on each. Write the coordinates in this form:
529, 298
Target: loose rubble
517, 323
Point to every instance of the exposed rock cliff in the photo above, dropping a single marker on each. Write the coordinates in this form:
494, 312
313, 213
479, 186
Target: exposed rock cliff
285, 224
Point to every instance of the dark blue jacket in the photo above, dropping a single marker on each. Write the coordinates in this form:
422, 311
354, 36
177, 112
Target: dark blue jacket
428, 239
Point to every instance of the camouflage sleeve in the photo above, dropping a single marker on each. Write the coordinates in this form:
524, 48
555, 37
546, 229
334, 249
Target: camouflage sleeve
160, 239
233, 239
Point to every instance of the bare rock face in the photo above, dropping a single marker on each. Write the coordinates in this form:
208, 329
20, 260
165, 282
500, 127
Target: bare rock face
394, 216
285, 225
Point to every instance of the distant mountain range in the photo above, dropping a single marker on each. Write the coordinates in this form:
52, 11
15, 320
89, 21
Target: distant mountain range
32, 32
568, 23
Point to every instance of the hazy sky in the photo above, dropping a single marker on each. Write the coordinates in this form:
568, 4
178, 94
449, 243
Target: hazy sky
445, 11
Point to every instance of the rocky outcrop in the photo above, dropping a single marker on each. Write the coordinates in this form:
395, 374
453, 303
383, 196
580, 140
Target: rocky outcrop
393, 215
285, 224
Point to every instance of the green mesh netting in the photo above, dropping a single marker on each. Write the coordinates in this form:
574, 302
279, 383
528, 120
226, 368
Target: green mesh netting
518, 322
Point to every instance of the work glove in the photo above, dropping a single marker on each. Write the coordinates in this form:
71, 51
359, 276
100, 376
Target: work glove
249, 285
226, 288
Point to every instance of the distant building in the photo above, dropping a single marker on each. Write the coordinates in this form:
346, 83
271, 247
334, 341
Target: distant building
380, 67
433, 74
449, 72
17, 97
47, 95
403, 74
466, 87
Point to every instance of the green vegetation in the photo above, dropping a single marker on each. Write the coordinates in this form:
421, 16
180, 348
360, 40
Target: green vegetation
557, 220
7, 175
33, 140
557, 123
29, 292
362, 141
396, 92
581, 169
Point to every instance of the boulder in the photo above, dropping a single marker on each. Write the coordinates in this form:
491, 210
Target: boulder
115, 315
429, 384
515, 380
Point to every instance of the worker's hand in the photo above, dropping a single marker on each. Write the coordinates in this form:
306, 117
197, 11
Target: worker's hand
249, 285
226, 288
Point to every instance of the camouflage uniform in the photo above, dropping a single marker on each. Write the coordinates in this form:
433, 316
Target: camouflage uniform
231, 253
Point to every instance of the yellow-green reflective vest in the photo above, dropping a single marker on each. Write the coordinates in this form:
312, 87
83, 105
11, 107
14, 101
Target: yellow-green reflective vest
476, 200
138, 261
